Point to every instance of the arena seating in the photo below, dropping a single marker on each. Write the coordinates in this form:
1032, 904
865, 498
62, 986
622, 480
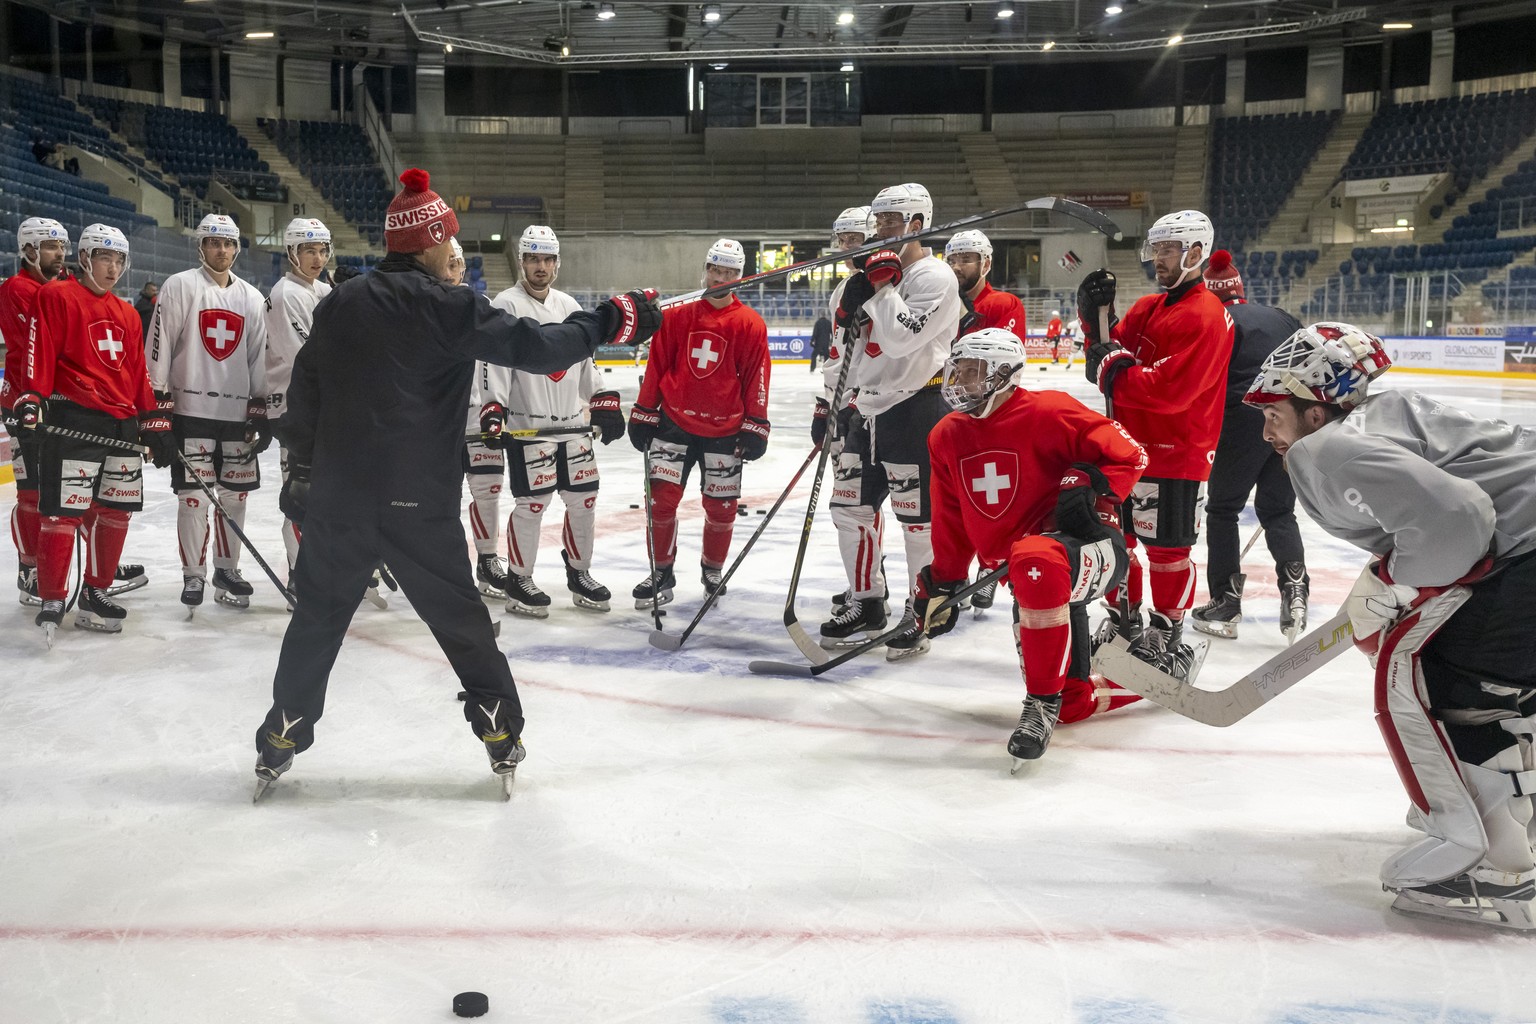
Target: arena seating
189, 144
337, 159
1255, 164
34, 190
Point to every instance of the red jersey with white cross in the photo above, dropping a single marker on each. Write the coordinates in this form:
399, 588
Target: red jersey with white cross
208, 345
87, 348
998, 309
1172, 400
18, 300
708, 368
996, 479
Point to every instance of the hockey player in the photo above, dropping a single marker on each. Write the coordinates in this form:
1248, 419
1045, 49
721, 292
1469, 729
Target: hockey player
969, 255
42, 246
290, 310
396, 350
1053, 335
208, 366
1031, 480
704, 403
84, 372
906, 310
1163, 370
541, 466
1447, 503
1243, 462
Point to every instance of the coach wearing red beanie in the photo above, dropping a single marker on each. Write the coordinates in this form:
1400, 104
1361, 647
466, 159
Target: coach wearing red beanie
374, 430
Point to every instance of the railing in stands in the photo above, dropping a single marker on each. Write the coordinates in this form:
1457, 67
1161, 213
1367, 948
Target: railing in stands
378, 134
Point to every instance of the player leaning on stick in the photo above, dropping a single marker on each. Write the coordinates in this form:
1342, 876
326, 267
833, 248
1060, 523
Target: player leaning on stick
1448, 503
1031, 480
540, 467
1164, 368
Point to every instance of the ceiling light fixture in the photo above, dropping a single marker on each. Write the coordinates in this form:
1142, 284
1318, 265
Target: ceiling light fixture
711, 13
1397, 26
1175, 40
1005, 10
847, 66
605, 12
1050, 44
260, 35
1113, 9
845, 17
447, 47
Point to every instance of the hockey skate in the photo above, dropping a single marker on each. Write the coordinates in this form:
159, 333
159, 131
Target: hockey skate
865, 615
505, 750
375, 592
840, 601
709, 575
192, 594
491, 575
1162, 646
26, 587
1110, 627
129, 576
1295, 588
1036, 725
48, 618
660, 583
230, 588
983, 599
586, 592
1481, 896
910, 642
1222, 613
96, 611
525, 598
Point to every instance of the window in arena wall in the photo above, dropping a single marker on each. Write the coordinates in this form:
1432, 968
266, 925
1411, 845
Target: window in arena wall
783, 101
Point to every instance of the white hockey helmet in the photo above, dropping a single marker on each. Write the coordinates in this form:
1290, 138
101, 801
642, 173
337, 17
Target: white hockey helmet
539, 240
1185, 227
36, 230
458, 250
1324, 362
909, 200
727, 252
856, 220
975, 390
216, 225
1056, 313
301, 231
101, 236
969, 240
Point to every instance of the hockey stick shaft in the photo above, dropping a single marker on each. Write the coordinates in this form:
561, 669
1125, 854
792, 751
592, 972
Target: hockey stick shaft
782, 668
650, 539
1050, 204
105, 442
1109, 410
668, 643
576, 431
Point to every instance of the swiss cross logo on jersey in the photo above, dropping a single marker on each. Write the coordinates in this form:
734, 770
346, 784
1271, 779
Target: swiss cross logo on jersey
558, 376
990, 480
221, 332
705, 353
107, 340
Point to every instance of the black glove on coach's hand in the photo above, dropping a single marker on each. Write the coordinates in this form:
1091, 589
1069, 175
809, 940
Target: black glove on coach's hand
293, 499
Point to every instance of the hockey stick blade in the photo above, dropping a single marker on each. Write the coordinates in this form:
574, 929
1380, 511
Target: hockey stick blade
666, 641
780, 668
1233, 703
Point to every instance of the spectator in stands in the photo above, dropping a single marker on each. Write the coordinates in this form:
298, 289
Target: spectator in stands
42, 149
821, 340
145, 304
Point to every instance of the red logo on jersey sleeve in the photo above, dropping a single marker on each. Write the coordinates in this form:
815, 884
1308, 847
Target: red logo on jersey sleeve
221, 332
107, 340
705, 352
990, 480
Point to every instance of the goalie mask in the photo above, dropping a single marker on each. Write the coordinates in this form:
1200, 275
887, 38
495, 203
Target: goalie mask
1325, 362
980, 367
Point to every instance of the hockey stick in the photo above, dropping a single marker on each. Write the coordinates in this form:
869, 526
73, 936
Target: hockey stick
671, 643
1240, 699
650, 538
784, 668
584, 428
1109, 410
1050, 204
1240, 578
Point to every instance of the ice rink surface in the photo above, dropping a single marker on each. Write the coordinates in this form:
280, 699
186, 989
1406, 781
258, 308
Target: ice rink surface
688, 842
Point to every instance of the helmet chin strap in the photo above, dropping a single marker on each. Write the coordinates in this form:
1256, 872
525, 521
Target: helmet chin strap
994, 400
1185, 271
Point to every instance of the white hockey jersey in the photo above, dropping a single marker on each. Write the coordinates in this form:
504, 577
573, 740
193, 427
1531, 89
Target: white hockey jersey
208, 345
537, 401
290, 311
907, 339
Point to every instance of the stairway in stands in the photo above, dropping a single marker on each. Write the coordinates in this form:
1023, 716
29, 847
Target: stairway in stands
345, 238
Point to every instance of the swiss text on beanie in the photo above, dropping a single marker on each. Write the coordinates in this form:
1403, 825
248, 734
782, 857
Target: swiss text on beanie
418, 218
1222, 277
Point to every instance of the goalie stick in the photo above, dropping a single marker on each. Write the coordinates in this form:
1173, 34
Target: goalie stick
1238, 700
1049, 204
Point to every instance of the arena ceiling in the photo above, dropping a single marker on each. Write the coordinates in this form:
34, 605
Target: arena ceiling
595, 32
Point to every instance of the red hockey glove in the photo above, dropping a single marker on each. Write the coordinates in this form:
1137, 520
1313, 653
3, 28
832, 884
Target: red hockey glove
28, 410
606, 415
752, 440
929, 593
883, 268
493, 420
257, 433
630, 318
643, 425
1116, 362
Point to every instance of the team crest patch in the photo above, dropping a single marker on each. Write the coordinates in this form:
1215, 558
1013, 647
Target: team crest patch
990, 480
435, 229
107, 339
705, 353
558, 375
221, 332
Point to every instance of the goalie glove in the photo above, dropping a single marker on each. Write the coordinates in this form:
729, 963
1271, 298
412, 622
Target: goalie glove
930, 593
1374, 604
606, 416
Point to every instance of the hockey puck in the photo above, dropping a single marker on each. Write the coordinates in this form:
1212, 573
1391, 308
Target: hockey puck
762, 511
470, 1004
634, 506
741, 512
1044, 368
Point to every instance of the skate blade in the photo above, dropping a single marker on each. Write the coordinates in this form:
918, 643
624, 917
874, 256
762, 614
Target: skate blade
491, 590
1200, 648
1499, 913
1018, 762
591, 605
224, 597
377, 599
262, 785
1292, 633
643, 604
28, 601
902, 653
124, 586
508, 779
840, 643
1226, 630
49, 629
191, 612
90, 623
528, 611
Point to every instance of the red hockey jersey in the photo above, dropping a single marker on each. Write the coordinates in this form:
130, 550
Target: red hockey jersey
708, 368
89, 349
1172, 401
996, 480
998, 309
18, 301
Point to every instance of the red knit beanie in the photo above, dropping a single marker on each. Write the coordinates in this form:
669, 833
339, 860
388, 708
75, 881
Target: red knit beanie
418, 218
1222, 277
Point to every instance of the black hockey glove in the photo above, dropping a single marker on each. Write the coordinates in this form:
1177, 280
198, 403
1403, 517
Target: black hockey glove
258, 434
493, 420
752, 440
929, 593
1084, 490
850, 427
293, 499
155, 434
27, 412
630, 318
1096, 292
643, 424
819, 422
606, 415
857, 290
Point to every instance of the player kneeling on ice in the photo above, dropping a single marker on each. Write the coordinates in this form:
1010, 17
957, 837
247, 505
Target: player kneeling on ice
1448, 502
1031, 480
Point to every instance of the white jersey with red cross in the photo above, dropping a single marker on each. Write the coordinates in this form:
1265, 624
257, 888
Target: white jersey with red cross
208, 345
536, 401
